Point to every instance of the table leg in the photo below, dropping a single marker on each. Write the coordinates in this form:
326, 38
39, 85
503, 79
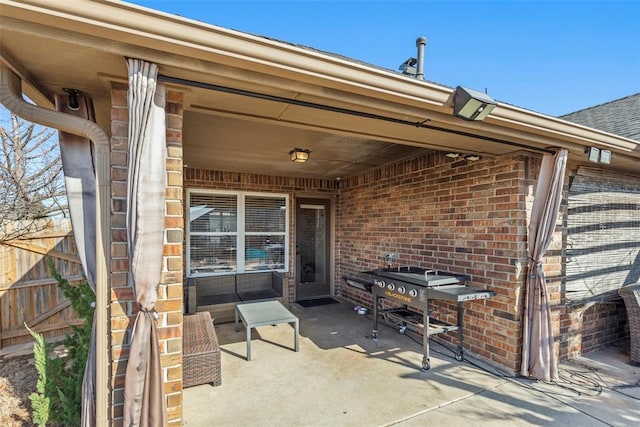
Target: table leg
297, 338
248, 343
237, 328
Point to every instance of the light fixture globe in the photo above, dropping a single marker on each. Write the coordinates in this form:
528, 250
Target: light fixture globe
299, 155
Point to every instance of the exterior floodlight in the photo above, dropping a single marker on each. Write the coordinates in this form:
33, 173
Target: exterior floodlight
605, 157
472, 105
593, 154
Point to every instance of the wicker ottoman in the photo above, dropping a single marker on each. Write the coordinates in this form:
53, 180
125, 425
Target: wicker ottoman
200, 351
631, 296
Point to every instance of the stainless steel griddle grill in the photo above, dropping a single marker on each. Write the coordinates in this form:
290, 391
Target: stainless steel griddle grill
414, 287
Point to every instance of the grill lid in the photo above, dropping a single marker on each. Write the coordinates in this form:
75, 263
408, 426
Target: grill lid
422, 276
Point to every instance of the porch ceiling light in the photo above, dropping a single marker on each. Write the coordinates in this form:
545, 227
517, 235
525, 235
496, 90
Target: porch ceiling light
473, 157
299, 155
452, 155
470, 104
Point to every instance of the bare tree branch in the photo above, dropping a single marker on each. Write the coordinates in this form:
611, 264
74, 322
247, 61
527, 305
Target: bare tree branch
31, 179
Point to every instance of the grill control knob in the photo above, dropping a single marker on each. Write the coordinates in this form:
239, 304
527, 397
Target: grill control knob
391, 286
413, 293
401, 289
381, 284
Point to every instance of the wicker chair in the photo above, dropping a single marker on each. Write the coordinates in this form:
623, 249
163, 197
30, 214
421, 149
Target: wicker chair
631, 296
200, 351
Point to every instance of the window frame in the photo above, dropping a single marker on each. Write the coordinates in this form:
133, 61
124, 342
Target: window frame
240, 232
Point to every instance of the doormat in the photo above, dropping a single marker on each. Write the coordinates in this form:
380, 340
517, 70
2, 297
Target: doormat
315, 302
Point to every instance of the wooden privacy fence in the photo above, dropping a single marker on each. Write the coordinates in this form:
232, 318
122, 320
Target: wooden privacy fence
28, 293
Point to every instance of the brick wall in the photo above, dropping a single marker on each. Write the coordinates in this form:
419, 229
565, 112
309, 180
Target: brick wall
592, 326
467, 217
458, 216
470, 218
452, 215
123, 305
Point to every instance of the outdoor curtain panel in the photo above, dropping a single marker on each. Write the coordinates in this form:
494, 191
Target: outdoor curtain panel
538, 356
80, 180
143, 393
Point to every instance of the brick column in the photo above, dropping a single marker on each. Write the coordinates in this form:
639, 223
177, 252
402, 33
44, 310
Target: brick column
122, 304
170, 300
171, 296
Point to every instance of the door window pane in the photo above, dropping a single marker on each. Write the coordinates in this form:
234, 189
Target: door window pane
312, 244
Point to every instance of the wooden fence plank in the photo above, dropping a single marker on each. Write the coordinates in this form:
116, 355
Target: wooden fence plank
40, 282
41, 250
15, 333
28, 293
47, 314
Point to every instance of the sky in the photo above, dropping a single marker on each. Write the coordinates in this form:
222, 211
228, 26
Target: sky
553, 57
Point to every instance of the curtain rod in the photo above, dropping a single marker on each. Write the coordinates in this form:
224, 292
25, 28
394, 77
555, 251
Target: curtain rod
275, 98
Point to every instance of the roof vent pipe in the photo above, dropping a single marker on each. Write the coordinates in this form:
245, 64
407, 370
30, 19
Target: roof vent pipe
421, 42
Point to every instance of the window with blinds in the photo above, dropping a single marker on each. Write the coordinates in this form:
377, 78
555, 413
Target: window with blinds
236, 232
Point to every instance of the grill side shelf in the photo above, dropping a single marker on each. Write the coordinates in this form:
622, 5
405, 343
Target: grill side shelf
360, 281
455, 293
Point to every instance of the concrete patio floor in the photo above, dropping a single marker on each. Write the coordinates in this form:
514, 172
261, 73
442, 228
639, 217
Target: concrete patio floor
340, 377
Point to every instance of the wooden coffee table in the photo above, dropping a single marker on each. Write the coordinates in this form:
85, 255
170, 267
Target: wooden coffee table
263, 313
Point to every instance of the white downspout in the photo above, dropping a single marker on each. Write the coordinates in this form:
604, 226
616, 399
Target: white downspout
11, 98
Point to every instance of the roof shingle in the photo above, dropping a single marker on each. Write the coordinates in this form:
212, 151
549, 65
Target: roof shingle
620, 117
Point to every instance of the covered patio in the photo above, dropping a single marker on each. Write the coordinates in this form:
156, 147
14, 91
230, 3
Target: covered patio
392, 169
342, 377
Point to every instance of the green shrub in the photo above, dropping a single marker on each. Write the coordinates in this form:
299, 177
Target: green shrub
58, 396
40, 401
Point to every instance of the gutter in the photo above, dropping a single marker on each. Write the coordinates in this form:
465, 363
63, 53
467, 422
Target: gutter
11, 98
